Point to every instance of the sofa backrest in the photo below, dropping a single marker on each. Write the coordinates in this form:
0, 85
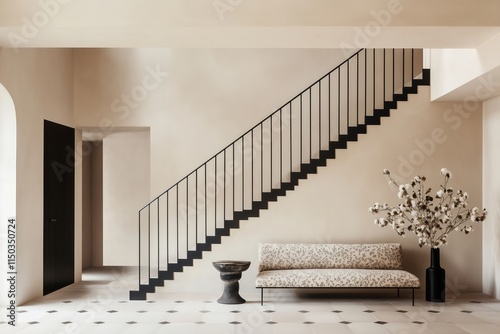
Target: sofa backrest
329, 256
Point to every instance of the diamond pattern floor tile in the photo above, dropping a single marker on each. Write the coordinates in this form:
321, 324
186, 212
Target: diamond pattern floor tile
76, 308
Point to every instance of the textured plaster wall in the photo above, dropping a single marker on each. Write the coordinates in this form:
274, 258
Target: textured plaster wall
125, 189
193, 101
40, 82
332, 206
196, 102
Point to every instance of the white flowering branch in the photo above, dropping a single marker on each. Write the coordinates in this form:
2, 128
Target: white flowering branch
418, 213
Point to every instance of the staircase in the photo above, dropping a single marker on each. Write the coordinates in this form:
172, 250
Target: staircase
269, 159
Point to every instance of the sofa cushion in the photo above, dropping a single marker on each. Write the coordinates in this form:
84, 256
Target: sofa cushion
329, 256
333, 278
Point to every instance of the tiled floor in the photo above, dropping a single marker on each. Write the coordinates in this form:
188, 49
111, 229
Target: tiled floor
100, 304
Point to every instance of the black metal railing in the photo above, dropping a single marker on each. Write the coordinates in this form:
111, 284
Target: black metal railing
236, 182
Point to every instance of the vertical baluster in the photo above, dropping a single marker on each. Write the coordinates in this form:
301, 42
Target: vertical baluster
281, 147
251, 137
319, 117
261, 158
383, 100
348, 94
393, 70
339, 95
310, 124
291, 151
168, 240
158, 221
140, 269
357, 89
374, 82
329, 111
177, 216
366, 79
301, 128
271, 154
206, 201
149, 241
243, 173
412, 64
224, 216
187, 214
234, 194
215, 190
196, 203
404, 70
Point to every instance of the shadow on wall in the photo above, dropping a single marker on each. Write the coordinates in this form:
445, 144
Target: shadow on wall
7, 186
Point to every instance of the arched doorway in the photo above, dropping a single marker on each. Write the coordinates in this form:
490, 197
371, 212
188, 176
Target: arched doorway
7, 175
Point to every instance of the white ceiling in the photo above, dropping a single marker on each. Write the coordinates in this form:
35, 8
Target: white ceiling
253, 37
344, 24
248, 23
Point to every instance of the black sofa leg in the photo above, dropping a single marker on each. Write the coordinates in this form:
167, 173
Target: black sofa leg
261, 296
412, 297
398, 292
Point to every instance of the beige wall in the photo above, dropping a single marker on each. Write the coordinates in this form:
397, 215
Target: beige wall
204, 91
332, 206
184, 95
491, 186
40, 82
126, 165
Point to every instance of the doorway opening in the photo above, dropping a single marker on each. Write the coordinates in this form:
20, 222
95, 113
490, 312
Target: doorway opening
115, 185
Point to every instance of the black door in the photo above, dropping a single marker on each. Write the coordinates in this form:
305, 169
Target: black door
58, 207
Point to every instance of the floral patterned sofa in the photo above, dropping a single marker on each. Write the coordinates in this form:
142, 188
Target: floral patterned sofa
333, 266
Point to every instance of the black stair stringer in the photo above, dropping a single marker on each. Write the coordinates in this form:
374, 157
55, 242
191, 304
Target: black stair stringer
306, 169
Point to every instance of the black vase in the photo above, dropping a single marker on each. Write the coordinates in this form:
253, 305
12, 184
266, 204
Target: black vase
435, 279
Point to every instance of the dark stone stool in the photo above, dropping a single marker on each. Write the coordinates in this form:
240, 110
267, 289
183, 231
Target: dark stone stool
230, 274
